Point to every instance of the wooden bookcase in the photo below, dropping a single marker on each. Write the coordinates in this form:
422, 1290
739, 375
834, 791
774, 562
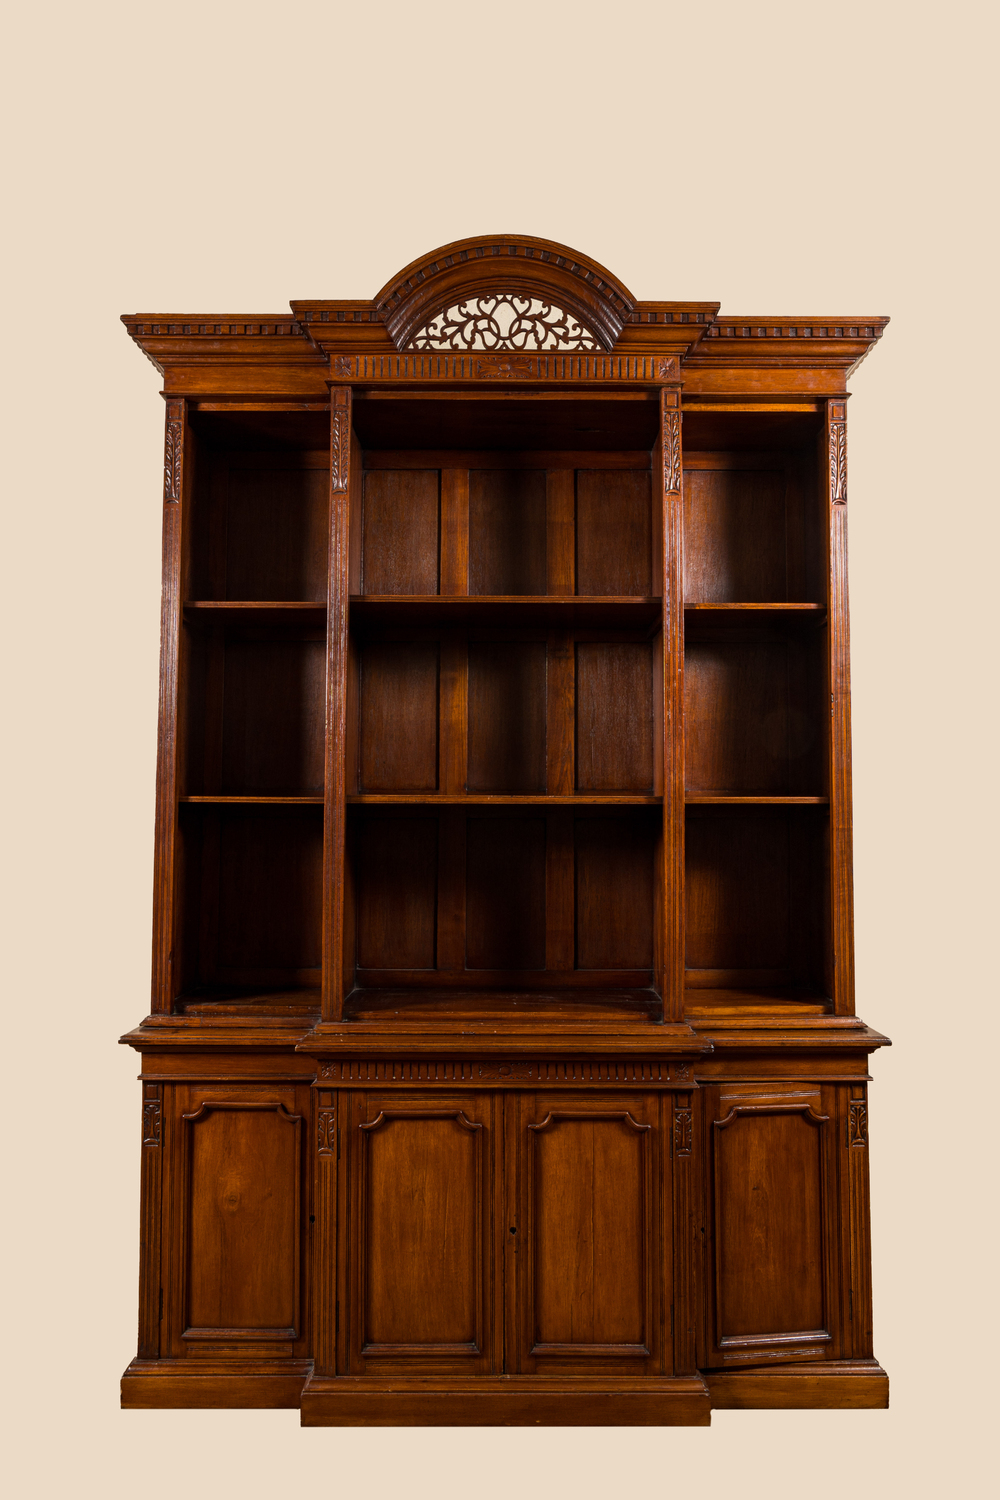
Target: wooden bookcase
502, 1063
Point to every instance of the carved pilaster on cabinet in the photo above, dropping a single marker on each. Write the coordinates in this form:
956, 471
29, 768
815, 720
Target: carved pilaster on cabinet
858, 1339
683, 1125
326, 1131
325, 1236
151, 1115
857, 1131
150, 1193
685, 1235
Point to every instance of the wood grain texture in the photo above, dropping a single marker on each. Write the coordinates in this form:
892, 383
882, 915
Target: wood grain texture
507, 531
400, 532
613, 532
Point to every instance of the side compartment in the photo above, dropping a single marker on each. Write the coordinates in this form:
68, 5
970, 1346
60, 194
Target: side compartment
225, 1248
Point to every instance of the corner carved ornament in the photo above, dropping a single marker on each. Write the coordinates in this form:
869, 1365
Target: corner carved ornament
505, 294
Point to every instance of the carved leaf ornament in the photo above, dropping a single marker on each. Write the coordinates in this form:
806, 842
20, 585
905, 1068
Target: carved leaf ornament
504, 320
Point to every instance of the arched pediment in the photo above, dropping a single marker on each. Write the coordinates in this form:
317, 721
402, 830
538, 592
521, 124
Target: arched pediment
504, 292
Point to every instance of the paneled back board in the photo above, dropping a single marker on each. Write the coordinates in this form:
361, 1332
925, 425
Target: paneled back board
502, 1063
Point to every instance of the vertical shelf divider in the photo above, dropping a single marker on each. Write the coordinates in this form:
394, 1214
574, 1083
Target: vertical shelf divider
345, 495
667, 481
834, 468
176, 503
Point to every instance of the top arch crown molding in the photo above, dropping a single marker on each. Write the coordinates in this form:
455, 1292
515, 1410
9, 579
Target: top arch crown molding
499, 265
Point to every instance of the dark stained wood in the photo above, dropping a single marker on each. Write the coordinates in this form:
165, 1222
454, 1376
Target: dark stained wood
614, 893
506, 717
400, 532
505, 921
397, 862
613, 532
752, 714
399, 716
502, 1064
507, 529
614, 717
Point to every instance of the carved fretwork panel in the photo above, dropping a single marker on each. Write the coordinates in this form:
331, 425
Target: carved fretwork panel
505, 320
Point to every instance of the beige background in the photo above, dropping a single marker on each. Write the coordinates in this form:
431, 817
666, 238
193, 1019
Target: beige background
222, 157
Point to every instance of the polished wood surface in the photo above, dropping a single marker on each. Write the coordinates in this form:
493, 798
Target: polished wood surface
502, 1064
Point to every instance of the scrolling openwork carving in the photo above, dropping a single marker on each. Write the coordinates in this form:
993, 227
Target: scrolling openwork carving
504, 320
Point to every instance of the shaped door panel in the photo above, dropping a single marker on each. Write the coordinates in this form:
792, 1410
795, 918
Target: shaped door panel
422, 1189
773, 1244
235, 1185
588, 1243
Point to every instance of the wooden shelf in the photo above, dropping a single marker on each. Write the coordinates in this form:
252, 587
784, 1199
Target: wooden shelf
258, 611
756, 614
218, 799
548, 1006
580, 611
726, 799
502, 799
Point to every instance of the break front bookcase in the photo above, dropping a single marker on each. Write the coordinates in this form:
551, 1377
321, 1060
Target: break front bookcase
502, 1063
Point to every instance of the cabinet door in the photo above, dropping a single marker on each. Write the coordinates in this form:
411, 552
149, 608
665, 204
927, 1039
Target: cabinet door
235, 1187
773, 1267
586, 1243
422, 1185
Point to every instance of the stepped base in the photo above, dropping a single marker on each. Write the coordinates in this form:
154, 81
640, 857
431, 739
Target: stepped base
505, 1401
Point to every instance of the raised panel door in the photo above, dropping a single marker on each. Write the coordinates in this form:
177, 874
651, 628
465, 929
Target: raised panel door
235, 1187
772, 1270
422, 1189
586, 1239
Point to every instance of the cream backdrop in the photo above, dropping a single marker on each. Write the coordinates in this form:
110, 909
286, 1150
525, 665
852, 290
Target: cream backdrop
782, 157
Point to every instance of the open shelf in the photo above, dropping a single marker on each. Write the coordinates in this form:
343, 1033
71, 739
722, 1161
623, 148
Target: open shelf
252, 902
501, 799
257, 611
756, 890
219, 800
485, 1007
727, 799
555, 611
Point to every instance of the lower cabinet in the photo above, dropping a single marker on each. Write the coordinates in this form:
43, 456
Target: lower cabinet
615, 1235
